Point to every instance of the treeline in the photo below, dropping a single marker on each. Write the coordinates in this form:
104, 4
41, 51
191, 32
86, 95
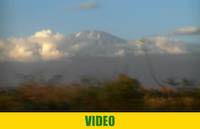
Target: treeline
122, 94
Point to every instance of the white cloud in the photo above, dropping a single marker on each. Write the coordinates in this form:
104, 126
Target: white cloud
47, 45
158, 45
165, 45
21, 53
48, 42
47, 35
49, 51
190, 30
120, 52
43, 45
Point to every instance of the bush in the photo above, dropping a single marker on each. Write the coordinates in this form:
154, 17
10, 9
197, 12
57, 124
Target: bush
122, 94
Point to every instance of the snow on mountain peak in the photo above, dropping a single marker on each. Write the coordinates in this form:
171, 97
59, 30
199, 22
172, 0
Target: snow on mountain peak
78, 34
48, 45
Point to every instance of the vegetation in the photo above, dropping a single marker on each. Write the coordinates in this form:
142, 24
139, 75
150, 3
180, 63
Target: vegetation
122, 94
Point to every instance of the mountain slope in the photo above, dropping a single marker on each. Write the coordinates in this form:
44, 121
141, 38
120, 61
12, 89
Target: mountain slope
99, 43
94, 43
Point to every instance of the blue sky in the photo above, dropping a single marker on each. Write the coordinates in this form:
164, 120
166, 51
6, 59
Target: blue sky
126, 18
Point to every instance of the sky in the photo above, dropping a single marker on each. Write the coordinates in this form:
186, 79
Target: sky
128, 19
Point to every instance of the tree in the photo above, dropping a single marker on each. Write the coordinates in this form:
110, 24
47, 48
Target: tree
187, 82
124, 93
171, 82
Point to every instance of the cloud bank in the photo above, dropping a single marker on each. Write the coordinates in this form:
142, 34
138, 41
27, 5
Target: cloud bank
161, 44
190, 30
158, 45
47, 45
43, 45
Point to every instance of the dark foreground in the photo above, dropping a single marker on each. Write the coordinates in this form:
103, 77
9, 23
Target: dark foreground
121, 94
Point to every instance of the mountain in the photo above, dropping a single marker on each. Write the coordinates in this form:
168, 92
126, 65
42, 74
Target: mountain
99, 43
96, 54
95, 43
94, 36
48, 45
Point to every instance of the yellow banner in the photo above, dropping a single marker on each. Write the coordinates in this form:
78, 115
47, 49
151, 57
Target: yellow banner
99, 120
